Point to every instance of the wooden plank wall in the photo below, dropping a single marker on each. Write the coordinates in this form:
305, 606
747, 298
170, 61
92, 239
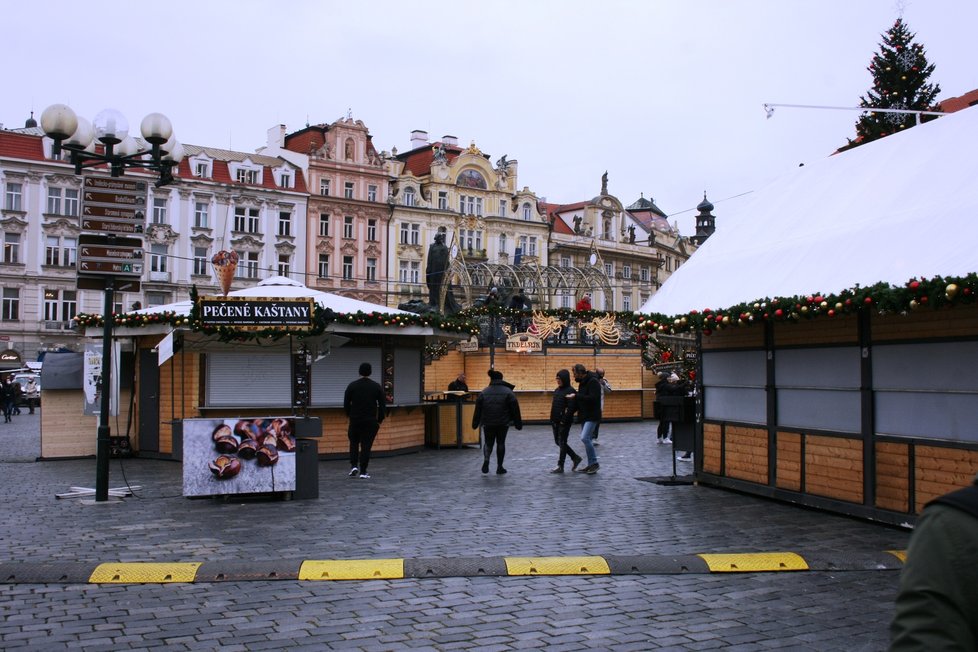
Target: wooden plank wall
789, 461
940, 469
179, 395
66, 432
834, 467
712, 444
926, 324
746, 453
892, 477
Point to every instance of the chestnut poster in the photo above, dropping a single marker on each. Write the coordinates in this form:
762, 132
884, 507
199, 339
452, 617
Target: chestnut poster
238, 456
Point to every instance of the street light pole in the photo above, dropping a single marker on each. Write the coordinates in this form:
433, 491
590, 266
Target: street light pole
119, 152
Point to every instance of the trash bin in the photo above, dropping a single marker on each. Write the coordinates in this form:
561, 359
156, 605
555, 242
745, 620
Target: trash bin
306, 469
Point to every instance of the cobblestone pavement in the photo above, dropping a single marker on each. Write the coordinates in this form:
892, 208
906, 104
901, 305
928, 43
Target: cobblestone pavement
432, 504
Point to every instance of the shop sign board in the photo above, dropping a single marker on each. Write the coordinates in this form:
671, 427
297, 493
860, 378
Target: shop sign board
524, 343
256, 313
470, 345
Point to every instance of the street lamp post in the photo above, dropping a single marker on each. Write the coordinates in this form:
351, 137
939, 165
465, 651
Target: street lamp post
119, 152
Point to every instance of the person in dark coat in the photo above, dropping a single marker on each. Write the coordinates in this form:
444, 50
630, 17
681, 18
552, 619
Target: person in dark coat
8, 393
562, 410
937, 605
365, 405
495, 409
589, 411
459, 384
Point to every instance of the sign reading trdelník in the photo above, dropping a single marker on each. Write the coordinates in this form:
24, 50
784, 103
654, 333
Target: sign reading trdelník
256, 313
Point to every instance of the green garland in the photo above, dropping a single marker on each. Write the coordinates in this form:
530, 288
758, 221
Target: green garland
939, 292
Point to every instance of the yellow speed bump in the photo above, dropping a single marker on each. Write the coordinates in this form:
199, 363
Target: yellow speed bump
144, 573
753, 562
899, 554
557, 566
352, 569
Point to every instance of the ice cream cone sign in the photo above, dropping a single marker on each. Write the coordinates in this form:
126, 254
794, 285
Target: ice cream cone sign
225, 263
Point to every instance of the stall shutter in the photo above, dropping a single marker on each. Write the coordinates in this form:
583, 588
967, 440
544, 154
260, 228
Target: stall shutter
407, 376
333, 373
250, 379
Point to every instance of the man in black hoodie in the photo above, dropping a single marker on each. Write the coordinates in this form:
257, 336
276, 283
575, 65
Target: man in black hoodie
562, 411
589, 409
495, 409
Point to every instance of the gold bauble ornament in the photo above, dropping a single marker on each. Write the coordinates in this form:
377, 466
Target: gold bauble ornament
951, 291
914, 305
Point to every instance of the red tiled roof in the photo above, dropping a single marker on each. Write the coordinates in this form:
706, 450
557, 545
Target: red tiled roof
306, 140
952, 104
221, 173
418, 161
22, 146
560, 226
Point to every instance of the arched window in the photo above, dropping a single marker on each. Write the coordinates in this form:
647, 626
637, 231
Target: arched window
502, 243
527, 214
409, 197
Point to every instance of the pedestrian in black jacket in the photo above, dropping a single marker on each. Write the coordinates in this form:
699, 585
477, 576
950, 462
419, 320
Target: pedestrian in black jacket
365, 405
589, 411
562, 410
495, 409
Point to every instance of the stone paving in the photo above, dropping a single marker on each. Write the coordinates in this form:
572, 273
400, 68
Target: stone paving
433, 504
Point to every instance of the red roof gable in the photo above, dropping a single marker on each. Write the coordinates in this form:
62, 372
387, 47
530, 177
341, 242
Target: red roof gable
22, 146
418, 161
306, 140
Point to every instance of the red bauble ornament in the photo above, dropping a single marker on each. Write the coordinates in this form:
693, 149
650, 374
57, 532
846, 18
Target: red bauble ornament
778, 312
868, 300
914, 285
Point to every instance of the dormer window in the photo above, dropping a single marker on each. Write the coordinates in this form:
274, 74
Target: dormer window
202, 167
246, 172
286, 180
409, 197
200, 170
527, 214
284, 176
247, 176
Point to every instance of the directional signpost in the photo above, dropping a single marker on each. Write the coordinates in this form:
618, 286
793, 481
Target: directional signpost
113, 205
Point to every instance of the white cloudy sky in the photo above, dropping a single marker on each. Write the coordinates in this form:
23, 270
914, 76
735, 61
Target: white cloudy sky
664, 95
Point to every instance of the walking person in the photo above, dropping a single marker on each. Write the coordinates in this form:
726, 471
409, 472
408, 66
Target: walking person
589, 408
8, 395
33, 394
663, 388
605, 389
562, 410
495, 408
365, 405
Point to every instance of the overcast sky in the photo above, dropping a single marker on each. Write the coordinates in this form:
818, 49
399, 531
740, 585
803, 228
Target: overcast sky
665, 96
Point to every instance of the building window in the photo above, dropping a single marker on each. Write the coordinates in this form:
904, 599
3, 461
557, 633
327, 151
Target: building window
55, 206
626, 303
644, 275
59, 305
502, 208
200, 261
626, 271
533, 246
323, 266
606, 228
159, 210
609, 270
246, 219
527, 213
324, 187
409, 271
565, 300
471, 239
10, 310
443, 200
371, 269
565, 262
324, 225
502, 243
200, 170
371, 193
61, 252
248, 264
409, 197
286, 181
201, 209
643, 299
247, 176
284, 223
11, 247
348, 190
470, 205
348, 227
157, 257
347, 268
524, 242
154, 299
284, 265
372, 230
14, 198
410, 233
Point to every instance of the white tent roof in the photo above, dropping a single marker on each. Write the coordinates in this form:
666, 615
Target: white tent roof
280, 286
902, 207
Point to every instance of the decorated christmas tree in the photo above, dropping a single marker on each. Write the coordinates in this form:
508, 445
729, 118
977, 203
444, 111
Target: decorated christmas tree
900, 81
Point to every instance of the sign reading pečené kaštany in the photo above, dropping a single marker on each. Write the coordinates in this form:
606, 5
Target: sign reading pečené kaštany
253, 313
